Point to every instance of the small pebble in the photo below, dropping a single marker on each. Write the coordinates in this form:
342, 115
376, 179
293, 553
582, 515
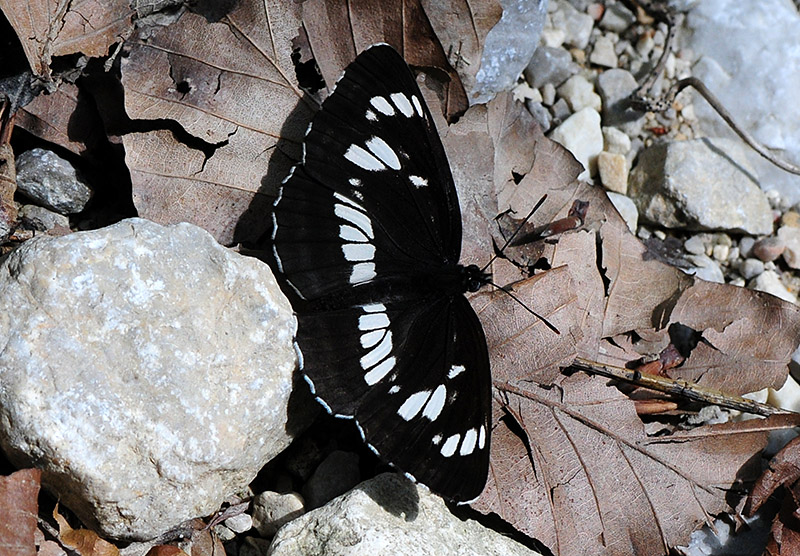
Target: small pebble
733, 254
706, 268
224, 533
791, 218
745, 245
720, 252
616, 141
272, 510
790, 236
579, 93
613, 170
603, 53
723, 239
694, 245
769, 248
738, 281
548, 94
660, 235
769, 281
750, 268
239, 523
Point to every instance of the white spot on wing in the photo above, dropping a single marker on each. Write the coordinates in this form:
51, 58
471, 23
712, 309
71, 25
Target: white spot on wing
373, 321
378, 353
355, 252
455, 370
373, 308
469, 442
482, 438
363, 159
450, 445
434, 406
371, 116
356, 218
362, 272
418, 181
382, 105
413, 405
349, 233
437, 439
401, 101
369, 339
380, 371
382, 150
417, 105
355, 182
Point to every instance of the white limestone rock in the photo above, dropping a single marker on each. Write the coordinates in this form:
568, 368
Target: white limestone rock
145, 369
702, 184
389, 515
580, 134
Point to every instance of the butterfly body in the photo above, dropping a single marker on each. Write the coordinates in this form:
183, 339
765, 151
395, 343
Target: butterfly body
367, 234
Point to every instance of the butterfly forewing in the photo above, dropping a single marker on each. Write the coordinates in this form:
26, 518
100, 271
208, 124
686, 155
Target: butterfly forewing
367, 231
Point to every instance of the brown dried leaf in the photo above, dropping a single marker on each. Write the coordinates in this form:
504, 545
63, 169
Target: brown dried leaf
48, 29
82, 541
783, 471
166, 550
230, 87
18, 508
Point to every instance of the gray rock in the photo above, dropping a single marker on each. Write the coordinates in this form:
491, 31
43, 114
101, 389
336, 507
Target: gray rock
51, 181
577, 26
603, 53
705, 268
145, 369
617, 18
756, 83
41, 219
746, 245
549, 65
790, 237
616, 141
768, 248
626, 208
699, 184
769, 281
695, 245
615, 86
337, 474
579, 94
540, 114
389, 515
508, 47
750, 268
580, 134
560, 111
272, 510
239, 523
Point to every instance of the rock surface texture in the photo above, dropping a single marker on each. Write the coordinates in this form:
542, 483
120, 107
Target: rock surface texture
145, 369
389, 515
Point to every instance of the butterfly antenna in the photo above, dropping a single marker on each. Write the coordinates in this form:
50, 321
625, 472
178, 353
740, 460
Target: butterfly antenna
531, 311
512, 236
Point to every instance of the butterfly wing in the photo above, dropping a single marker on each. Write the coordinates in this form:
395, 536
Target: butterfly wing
359, 227
415, 378
373, 196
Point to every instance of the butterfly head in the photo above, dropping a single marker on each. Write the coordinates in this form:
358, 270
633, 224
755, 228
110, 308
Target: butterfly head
474, 278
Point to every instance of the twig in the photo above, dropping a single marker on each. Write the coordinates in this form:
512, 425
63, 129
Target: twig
648, 104
641, 100
678, 387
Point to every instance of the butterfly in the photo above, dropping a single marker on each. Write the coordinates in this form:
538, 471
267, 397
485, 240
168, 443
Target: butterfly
367, 234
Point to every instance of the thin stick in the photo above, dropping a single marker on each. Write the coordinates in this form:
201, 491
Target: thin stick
648, 104
678, 387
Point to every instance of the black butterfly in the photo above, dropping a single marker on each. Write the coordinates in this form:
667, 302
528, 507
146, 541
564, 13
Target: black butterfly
367, 231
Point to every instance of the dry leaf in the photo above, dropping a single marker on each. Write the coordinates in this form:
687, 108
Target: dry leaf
229, 88
18, 508
338, 30
82, 541
166, 550
48, 29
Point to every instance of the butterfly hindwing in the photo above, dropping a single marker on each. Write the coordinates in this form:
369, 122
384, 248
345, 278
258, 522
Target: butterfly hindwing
416, 385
